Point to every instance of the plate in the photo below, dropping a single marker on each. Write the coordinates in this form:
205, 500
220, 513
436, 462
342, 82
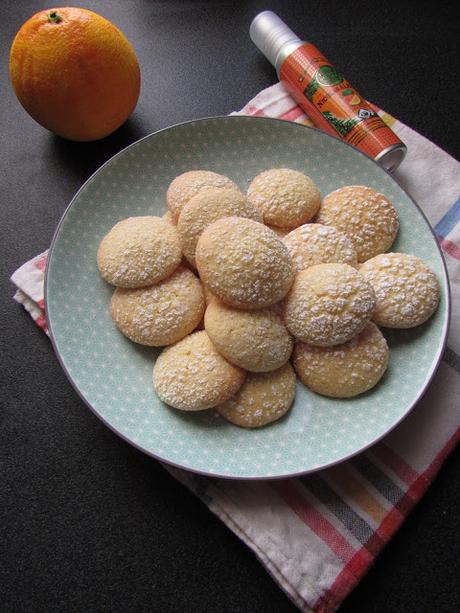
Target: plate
114, 376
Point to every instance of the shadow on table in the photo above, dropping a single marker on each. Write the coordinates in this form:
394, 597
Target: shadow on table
84, 158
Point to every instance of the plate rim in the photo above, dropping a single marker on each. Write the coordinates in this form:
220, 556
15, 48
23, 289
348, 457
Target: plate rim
113, 428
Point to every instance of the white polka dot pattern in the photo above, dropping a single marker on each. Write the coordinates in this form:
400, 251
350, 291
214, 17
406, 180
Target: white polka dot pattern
114, 375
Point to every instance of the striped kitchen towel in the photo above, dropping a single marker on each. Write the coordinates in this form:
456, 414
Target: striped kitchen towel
317, 535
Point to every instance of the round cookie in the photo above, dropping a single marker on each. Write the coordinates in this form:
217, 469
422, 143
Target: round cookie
190, 183
159, 314
345, 370
139, 251
192, 376
286, 198
208, 206
256, 340
328, 304
367, 217
314, 243
244, 263
262, 399
407, 291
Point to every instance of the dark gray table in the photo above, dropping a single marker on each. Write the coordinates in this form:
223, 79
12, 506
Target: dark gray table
87, 522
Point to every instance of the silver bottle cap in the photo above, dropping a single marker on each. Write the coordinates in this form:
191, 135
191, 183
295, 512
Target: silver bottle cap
270, 34
391, 157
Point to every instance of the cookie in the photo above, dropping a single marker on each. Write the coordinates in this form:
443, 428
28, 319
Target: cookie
328, 304
262, 399
345, 370
169, 218
208, 206
255, 340
314, 243
160, 314
286, 198
244, 263
188, 184
280, 232
208, 295
192, 376
139, 251
407, 291
367, 217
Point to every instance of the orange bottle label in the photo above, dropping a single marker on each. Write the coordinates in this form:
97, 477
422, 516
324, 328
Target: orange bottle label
332, 103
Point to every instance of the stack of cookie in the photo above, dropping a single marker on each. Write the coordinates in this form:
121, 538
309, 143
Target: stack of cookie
271, 274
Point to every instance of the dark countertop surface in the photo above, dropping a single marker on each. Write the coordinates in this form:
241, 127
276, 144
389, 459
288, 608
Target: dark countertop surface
87, 523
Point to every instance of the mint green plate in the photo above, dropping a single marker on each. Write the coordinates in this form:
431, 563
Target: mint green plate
114, 376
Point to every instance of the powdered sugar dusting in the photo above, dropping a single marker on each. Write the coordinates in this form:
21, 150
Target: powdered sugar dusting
314, 243
206, 207
244, 263
160, 314
139, 251
263, 398
285, 197
256, 340
344, 370
190, 183
192, 376
407, 290
328, 304
366, 216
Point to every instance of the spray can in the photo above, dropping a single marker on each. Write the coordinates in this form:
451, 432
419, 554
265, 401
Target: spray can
318, 87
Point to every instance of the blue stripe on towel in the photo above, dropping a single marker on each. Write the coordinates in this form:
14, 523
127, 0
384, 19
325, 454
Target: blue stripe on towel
450, 219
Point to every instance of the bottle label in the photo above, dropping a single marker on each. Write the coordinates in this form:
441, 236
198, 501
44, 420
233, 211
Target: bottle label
332, 103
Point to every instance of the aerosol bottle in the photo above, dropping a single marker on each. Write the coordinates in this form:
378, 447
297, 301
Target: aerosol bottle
319, 88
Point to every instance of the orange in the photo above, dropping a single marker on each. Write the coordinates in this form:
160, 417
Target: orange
75, 73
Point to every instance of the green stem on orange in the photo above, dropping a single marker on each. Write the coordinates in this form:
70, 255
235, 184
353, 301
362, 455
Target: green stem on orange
54, 17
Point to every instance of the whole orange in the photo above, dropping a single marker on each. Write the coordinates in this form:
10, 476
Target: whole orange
75, 73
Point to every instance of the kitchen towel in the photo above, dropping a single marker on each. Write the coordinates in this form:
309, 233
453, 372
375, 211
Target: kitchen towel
317, 535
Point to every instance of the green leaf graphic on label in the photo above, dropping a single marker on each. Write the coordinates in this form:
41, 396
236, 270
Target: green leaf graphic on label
311, 89
347, 92
341, 126
328, 75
